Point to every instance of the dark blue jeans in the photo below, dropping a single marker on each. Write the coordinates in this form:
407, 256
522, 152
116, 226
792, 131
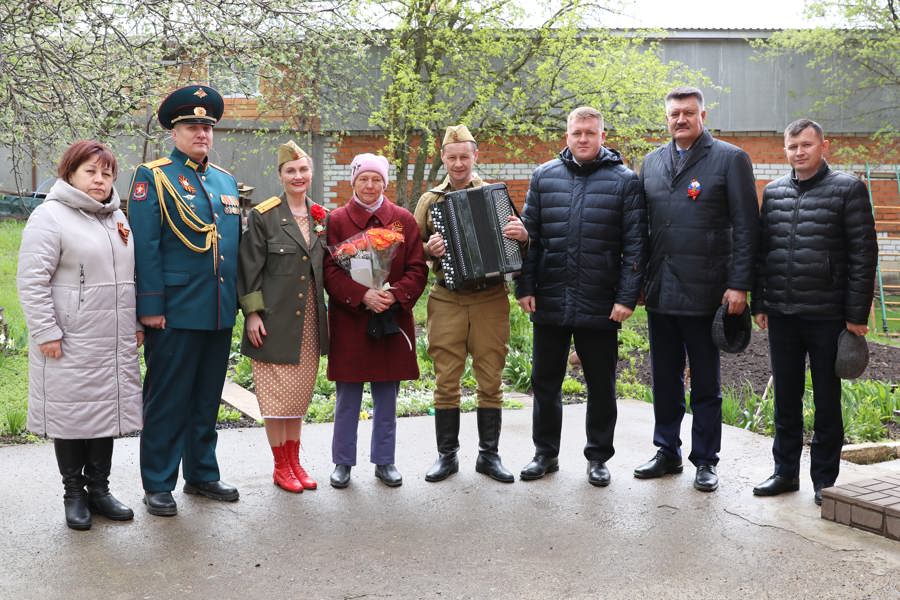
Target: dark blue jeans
672, 339
598, 352
791, 339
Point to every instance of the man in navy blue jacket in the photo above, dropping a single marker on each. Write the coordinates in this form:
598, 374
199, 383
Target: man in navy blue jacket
703, 212
587, 227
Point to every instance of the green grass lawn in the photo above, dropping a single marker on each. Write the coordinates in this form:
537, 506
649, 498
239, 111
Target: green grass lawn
13, 365
892, 309
10, 238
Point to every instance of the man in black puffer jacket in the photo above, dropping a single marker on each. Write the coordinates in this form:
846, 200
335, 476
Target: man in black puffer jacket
815, 278
701, 201
587, 227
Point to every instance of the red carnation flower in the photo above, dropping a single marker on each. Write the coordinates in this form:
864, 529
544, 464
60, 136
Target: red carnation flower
317, 211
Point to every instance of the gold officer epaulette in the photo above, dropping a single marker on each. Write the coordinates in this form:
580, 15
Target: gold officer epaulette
267, 205
219, 168
159, 162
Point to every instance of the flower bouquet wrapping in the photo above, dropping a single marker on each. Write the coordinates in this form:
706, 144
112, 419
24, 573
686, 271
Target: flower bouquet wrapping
366, 257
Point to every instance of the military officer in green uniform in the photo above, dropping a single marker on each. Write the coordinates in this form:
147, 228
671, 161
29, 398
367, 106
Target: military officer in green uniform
185, 217
464, 322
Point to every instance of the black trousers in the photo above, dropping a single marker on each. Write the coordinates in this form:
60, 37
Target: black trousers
791, 339
672, 339
598, 351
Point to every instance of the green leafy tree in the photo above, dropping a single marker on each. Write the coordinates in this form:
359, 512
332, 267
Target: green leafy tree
859, 65
73, 69
477, 63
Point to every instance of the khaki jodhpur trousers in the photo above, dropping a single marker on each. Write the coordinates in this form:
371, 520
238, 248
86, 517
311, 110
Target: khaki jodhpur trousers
461, 323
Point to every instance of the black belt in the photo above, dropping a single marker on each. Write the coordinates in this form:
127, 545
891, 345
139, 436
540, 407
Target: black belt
486, 285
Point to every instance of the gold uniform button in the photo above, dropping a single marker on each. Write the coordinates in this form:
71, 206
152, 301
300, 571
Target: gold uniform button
221, 280
303, 278
221, 257
305, 258
300, 295
297, 313
219, 236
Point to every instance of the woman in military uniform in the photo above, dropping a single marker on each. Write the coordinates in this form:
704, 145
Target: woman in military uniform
281, 293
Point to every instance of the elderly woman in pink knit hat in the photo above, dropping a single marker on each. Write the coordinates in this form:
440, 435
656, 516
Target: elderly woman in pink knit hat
358, 354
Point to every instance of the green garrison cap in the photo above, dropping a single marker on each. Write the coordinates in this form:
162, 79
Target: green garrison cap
290, 151
191, 104
455, 134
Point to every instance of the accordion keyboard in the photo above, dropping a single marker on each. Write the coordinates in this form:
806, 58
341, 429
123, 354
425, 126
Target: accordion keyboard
471, 222
504, 210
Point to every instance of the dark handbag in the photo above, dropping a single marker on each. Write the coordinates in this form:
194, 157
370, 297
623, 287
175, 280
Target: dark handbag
383, 323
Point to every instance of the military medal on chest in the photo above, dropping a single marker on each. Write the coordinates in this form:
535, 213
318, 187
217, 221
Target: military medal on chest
190, 189
694, 189
230, 205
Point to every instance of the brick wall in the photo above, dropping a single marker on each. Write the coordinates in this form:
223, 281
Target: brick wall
497, 163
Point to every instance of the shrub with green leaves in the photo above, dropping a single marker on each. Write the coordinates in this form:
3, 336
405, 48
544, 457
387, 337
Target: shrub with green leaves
227, 415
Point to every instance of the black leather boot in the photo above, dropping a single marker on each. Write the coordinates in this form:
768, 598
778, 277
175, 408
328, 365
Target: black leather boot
488, 462
96, 470
446, 429
70, 457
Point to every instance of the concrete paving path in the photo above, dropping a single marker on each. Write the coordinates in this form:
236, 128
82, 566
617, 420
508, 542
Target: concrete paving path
467, 537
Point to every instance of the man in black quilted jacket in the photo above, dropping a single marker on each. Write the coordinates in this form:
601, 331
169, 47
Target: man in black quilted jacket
815, 278
703, 211
587, 227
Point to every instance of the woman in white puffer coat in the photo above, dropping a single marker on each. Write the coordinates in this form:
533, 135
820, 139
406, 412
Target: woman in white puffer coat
76, 285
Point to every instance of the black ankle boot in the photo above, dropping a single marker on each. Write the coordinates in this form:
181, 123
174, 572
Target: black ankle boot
488, 462
446, 429
70, 457
96, 470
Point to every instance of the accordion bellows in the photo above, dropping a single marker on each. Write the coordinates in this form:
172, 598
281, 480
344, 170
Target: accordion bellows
471, 222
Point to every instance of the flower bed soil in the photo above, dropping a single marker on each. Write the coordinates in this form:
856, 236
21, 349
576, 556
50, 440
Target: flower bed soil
752, 365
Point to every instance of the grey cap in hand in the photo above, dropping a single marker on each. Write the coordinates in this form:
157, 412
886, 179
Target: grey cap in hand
852, 355
731, 333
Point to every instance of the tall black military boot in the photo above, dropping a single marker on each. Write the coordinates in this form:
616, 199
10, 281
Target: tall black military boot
446, 429
488, 462
70, 457
96, 471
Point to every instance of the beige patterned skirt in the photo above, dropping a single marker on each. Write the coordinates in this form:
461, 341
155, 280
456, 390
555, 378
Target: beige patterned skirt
284, 390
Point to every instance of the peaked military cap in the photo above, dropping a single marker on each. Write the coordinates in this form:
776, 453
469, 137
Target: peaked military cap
731, 333
852, 355
191, 104
290, 151
457, 133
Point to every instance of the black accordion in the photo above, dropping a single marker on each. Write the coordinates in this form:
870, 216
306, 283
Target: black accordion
471, 222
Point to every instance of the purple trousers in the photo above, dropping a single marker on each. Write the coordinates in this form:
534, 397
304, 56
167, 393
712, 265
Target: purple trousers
346, 419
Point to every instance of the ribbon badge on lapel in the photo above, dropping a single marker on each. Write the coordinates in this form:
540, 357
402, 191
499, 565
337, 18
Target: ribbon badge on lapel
694, 189
186, 185
123, 232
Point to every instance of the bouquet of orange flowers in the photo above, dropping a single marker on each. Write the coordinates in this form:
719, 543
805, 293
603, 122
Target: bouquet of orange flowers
367, 255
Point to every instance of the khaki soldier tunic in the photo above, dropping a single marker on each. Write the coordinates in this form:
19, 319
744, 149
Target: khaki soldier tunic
463, 322
280, 277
